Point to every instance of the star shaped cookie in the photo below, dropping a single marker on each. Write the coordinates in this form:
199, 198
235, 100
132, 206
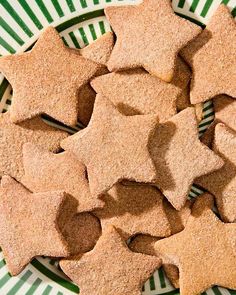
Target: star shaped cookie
212, 57
32, 230
114, 147
46, 80
180, 157
45, 171
136, 92
209, 251
222, 183
13, 137
149, 35
99, 51
111, 267
134, 209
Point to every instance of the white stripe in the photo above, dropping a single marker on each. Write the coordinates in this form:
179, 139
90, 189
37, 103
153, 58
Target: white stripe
9, 39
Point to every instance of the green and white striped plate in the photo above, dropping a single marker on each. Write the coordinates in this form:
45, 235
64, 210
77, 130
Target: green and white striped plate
79, 22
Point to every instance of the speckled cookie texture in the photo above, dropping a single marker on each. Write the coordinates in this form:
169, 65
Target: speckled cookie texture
163, 35
99, 51
113, 147
13, 137
222, 183
81, 232
212, 58
28, 231
145, 244
136, 92
225, 112
45, 171
210, 241
111, 267
50, 92
180, 157
134, 209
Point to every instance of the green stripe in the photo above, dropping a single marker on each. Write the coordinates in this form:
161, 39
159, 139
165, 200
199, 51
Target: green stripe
16, 17
206, 7
205, 123
93, 32
102, 27
233, 12
83, 3
70, 5
232, 292
162, 278
194, 5
3, 87
74, 40
59, 293
58, 8
47, 290
83, 35
20, 283
95, 2
4, 279
207, 115
225, 2
181, 3
208, 108
152, 283
44, 10
11, 32
31, 14
34, 286
79, 19
216, 290
65, 42
51, 275
6, 45
2, 263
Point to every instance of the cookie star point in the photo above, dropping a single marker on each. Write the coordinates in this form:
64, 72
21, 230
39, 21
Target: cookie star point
211, 55
111, 266
131, 51
180, 156
45, 171
14, 136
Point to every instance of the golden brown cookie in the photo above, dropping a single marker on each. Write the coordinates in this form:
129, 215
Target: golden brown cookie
111, 267
212, 58
149, 35
46, 171
99, 51
203, 252
136, 92
13, 137
134, 209
180, 157
113, 147
46, 79
222, 183
29, 224
145, 244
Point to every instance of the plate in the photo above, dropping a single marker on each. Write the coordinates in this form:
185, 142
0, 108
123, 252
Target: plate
79, 22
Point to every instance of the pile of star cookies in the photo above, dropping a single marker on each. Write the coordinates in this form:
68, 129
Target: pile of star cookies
112, 199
